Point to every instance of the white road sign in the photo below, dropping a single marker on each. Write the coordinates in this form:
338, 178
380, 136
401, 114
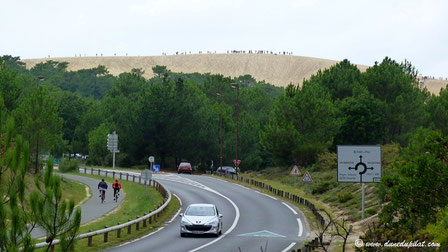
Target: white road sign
146, 174
151, 159
359, 164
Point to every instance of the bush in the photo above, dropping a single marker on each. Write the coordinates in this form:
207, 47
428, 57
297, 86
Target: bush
344, 197
371, 211
320, 188
326, 161
68, 165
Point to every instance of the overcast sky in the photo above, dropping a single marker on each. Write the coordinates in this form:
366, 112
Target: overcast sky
359, 30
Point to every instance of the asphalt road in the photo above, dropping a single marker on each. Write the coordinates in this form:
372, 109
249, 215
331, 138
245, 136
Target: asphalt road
93, 208
251, 219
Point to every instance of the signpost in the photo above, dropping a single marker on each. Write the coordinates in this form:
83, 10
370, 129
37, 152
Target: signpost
112, 146
359, 164
295, 172
236, 163
150, 170
307, 179
146, 174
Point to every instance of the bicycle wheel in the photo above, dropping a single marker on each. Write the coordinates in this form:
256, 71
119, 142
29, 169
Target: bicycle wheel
102, 197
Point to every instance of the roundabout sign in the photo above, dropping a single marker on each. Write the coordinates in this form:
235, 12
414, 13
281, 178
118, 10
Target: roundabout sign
359, 164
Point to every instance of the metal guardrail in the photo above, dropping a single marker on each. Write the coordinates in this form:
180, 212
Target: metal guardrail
152, 216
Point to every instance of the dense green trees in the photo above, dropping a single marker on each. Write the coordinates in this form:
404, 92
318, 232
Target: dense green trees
38, 120
14, 156
98, 144
302, 125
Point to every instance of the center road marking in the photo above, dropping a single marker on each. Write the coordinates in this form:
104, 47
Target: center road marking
300, 227
290, 208
289, 247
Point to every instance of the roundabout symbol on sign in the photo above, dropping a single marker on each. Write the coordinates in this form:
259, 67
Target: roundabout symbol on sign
364, 166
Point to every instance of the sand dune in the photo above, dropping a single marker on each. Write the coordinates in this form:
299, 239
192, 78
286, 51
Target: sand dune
279, 70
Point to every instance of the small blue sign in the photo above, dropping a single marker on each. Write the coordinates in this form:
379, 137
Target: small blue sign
156, 168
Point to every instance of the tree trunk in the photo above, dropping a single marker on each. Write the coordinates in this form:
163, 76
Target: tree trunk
36, 169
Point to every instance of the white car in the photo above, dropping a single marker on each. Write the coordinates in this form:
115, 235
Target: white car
201, 219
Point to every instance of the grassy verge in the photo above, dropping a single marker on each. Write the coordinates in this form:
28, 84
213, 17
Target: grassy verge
325, 192
98, 241
136, 203
73, 190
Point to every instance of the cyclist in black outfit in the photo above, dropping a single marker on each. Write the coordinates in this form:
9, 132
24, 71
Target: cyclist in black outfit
102, 186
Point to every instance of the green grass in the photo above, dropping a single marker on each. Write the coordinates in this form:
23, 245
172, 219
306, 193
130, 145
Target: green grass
98, 241
73, 190
136, 203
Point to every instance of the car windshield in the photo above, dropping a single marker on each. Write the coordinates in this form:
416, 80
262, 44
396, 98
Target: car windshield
200, 211
184, 164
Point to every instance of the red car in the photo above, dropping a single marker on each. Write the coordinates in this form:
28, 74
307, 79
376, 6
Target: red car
184, 167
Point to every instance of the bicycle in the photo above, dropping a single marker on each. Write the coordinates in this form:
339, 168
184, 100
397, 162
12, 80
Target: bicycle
103, 195
116, 196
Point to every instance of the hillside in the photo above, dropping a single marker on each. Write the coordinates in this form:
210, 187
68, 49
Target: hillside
279, 70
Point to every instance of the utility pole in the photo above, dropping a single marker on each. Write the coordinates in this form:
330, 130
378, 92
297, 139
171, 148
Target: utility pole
235, 85
218, 93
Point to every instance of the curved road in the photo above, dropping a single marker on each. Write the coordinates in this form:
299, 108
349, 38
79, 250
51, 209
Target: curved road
92, 209
251, 219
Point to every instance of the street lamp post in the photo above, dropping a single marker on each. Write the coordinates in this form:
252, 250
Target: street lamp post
235, 85
218, 93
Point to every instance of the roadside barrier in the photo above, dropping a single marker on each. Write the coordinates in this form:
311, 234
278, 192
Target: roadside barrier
294, 198
150, 217
310, 246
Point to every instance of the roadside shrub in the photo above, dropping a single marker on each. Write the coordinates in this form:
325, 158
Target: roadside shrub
345, 196
371, 211
322, 187
326, 161
68, 165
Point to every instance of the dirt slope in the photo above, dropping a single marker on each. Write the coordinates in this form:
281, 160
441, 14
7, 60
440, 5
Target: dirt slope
279, 70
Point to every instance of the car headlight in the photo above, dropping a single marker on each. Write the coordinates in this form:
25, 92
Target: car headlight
213, 222
184, 222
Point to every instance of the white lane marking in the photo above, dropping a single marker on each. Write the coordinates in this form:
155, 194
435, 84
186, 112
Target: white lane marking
289, 247
290, 208
180, 201
140, 238
264, 194
300, 227
178, 211
241, 186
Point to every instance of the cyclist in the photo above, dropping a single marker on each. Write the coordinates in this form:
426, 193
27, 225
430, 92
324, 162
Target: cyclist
102, 187
116, 186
